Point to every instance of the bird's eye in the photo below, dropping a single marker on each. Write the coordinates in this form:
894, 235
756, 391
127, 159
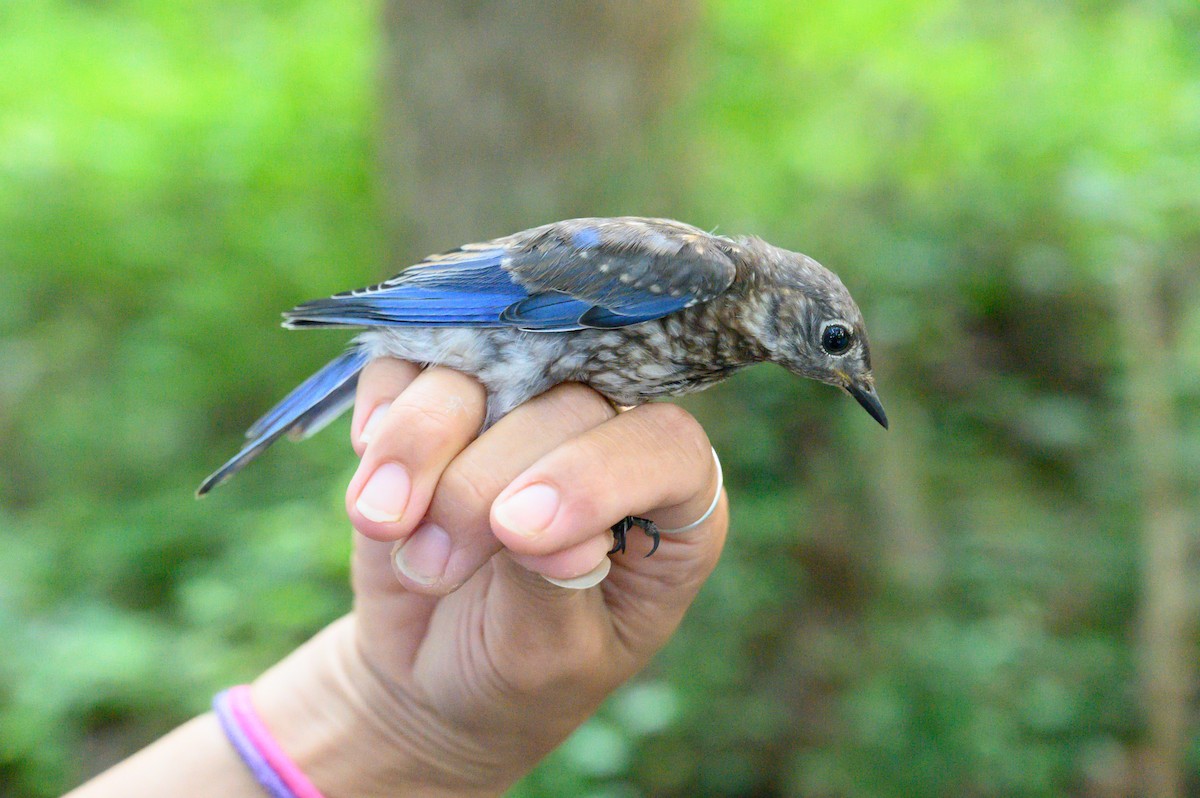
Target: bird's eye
836, 339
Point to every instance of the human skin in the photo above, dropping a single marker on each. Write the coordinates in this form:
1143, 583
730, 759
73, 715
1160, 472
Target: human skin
461, 666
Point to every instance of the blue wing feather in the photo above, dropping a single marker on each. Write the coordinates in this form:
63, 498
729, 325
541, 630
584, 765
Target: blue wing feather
471, 291
625, 315
403, 306
565, 276
546, 312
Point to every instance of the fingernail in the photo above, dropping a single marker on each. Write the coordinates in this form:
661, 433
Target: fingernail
423, 557
373, 422
385, 495
590, 579
528, 511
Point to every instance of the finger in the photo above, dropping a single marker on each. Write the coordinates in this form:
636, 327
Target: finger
653, 461
425, 427
649, 457
576, 567
392, 620
381, 381
443, 554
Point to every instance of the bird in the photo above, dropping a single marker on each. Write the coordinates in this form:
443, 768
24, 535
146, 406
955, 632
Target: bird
636, 308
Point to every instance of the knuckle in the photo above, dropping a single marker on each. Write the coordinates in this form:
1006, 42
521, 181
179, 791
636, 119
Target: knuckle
676, 427
588, 450
374, 370
672, 420
450, 381
580, 404
418, 439
425, 425
377, 366
381, 374
431, 417
591, 466
445, 398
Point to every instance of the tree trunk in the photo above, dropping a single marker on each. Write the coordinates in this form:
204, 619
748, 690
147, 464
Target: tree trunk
1165, 635
502, 115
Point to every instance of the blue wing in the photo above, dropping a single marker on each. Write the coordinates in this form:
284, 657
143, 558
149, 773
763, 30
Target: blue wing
570, 275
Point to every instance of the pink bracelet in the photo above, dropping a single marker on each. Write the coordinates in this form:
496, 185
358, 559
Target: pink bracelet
240, 710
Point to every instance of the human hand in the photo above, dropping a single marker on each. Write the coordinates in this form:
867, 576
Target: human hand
463, 665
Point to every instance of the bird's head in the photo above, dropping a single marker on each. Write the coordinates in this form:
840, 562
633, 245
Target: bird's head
809, 324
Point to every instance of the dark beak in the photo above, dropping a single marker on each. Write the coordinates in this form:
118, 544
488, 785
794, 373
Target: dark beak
867, 397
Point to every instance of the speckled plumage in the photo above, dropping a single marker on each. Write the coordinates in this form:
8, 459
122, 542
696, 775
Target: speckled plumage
635, 308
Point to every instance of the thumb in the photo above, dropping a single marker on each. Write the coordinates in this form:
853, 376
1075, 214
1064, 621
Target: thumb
654, 462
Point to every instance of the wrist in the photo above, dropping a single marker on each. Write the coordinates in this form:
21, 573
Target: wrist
350, 734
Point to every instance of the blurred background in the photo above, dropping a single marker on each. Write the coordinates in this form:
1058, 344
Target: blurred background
995, 598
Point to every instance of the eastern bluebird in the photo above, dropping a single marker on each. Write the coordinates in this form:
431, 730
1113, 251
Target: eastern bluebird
635, 308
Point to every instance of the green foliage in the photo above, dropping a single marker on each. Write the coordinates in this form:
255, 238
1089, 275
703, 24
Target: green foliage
944, 609
170, 177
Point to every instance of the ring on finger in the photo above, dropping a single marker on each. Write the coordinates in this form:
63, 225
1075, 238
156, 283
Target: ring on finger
711, 508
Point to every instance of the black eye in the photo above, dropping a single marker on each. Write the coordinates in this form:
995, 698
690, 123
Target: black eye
836, 339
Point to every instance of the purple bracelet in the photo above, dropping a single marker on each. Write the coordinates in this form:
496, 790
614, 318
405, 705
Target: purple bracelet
251, 725
263, 773
270, 764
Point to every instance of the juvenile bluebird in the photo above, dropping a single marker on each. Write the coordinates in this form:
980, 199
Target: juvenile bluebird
636, 308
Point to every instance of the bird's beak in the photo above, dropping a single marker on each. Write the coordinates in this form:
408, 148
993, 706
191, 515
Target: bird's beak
866, 396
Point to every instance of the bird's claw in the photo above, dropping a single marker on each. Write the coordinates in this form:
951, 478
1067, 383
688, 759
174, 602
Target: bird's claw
622, 527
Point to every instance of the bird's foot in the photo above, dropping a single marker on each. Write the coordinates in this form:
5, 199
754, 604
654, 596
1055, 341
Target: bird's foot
622, 527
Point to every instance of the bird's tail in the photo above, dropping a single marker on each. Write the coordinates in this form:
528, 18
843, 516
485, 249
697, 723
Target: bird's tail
306, 410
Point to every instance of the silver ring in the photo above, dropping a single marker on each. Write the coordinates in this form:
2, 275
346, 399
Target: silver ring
712, 508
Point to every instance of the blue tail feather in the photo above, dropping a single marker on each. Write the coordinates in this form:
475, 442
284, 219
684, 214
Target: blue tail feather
314, 403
